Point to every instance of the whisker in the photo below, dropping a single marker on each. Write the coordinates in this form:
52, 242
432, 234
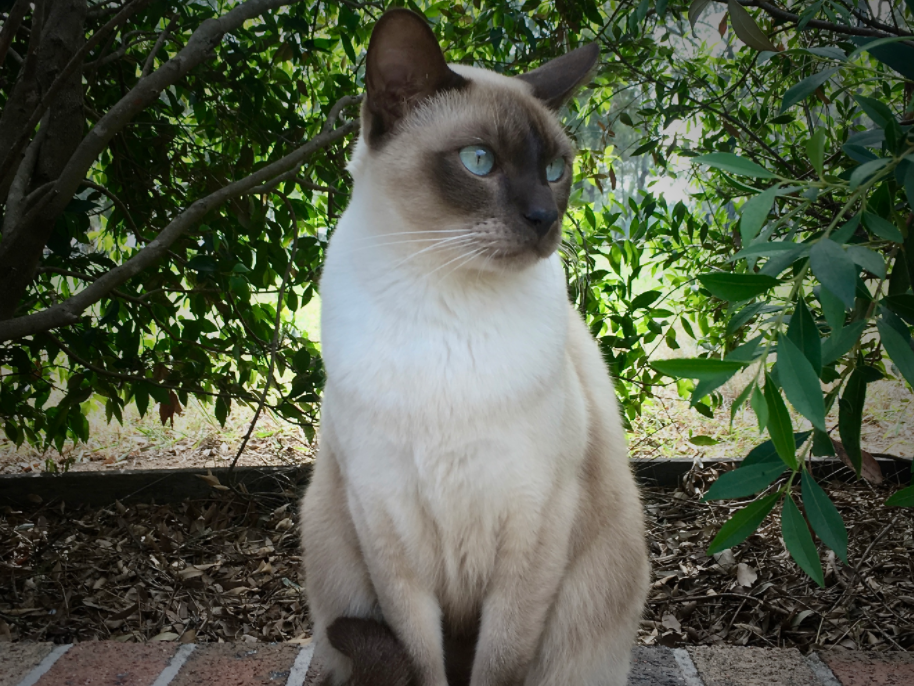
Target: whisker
411, 233
468, 257
461, 240
407, 241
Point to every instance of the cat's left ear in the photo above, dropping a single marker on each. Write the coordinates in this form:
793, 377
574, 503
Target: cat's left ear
557, 80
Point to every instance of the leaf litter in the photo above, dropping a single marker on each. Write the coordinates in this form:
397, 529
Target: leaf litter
228, 568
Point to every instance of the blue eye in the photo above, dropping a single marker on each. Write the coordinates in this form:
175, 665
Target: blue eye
477, 159
555, 169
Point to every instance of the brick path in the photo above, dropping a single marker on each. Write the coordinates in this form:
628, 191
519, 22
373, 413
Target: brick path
109, 663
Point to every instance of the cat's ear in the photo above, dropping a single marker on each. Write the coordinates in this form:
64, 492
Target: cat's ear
557, 80
404, 66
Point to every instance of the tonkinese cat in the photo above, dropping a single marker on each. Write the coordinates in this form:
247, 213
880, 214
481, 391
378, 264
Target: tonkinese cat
472, 489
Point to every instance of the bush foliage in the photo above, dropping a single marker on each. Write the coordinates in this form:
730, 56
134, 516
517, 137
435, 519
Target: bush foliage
171, 171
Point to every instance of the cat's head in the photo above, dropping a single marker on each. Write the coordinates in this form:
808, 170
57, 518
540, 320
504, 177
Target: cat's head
475, 163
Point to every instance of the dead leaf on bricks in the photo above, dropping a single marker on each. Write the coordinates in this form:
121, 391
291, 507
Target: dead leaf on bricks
869, 469
167, 411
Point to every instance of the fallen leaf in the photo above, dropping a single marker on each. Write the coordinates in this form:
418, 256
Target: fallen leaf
869, 469
167, 411
745, 575
670, 622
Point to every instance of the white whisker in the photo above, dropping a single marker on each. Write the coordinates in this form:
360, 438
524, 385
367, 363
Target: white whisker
407, 241
444, 242
466, 257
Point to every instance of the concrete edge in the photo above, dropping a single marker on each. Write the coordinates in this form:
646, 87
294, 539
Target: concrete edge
45, 665
687, 667
822, 671
175, 664
299, 670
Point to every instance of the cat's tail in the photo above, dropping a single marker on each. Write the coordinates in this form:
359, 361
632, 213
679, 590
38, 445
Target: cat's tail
378, 658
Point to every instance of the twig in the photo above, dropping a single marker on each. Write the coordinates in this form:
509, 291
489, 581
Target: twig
11, 26
275, 344
147, 67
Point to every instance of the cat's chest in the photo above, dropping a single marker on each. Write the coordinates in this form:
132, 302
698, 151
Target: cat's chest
421, 352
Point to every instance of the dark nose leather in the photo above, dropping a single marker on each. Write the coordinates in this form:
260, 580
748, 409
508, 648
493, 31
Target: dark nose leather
541, 219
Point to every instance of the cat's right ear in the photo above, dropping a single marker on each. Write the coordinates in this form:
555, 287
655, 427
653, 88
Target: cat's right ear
403, 67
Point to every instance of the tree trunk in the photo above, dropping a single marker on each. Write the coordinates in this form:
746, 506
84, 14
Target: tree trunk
62, 35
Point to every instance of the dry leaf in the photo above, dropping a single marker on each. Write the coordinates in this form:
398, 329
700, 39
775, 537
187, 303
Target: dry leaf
722, 28
670, 622
745, 575
869, 468
612, 178
167, 411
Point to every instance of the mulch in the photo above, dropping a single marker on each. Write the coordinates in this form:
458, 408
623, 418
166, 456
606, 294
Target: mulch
228, 568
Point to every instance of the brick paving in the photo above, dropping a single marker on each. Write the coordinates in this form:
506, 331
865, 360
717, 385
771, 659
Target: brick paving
109, 663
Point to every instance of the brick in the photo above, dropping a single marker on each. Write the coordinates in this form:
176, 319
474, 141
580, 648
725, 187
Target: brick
238, 664
109, 663
654, 666
18, 659
853, 668
736, 666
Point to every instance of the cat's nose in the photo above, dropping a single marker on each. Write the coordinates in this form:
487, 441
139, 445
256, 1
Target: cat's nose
541, 219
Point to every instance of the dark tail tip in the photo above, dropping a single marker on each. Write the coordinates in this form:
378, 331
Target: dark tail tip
378, 658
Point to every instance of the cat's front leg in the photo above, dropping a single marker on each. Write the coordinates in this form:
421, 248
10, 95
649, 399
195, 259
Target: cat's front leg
527, 576
409, 606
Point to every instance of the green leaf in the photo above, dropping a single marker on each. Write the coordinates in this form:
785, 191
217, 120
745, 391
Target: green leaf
847, 230
881, 115
703, 440
695, 10
764, 250
736, 287
815, 148
734, 164
697, 368
902, 498
803, 90
882, 228
850, 417
909, 184
746, 29
222, 409
645, 299
902, 305
780, 427
766, 452
141, 398
804, 332
738, 403
824, 517
870, 260
841, 341
746, 480
898, 348
801, 383
866, 170
760, 407
799, 541
833, 309
743, 524
755, 212
834, 269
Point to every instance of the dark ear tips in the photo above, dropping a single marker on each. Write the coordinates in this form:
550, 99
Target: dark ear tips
404, 65
557, 80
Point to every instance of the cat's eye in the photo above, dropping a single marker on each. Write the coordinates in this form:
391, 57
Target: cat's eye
478, 159
555, 169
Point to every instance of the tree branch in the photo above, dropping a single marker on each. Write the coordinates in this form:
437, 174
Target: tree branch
69, 311
15, 200
150, 61
11, 26
884, 31
118, 203
120, 52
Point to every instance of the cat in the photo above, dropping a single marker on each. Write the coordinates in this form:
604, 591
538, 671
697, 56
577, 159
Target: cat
378, 658
472, 489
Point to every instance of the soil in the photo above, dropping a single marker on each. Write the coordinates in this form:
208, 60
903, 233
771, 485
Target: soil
229, 568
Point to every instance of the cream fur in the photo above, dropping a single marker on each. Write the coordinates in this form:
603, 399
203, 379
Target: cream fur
472, 461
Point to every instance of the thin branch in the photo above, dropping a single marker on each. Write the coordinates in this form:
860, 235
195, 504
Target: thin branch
121, 51
118, 203
69, 311
11, 26
150, 61
275, 344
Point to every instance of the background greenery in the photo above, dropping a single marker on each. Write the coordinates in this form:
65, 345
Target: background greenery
172, 171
